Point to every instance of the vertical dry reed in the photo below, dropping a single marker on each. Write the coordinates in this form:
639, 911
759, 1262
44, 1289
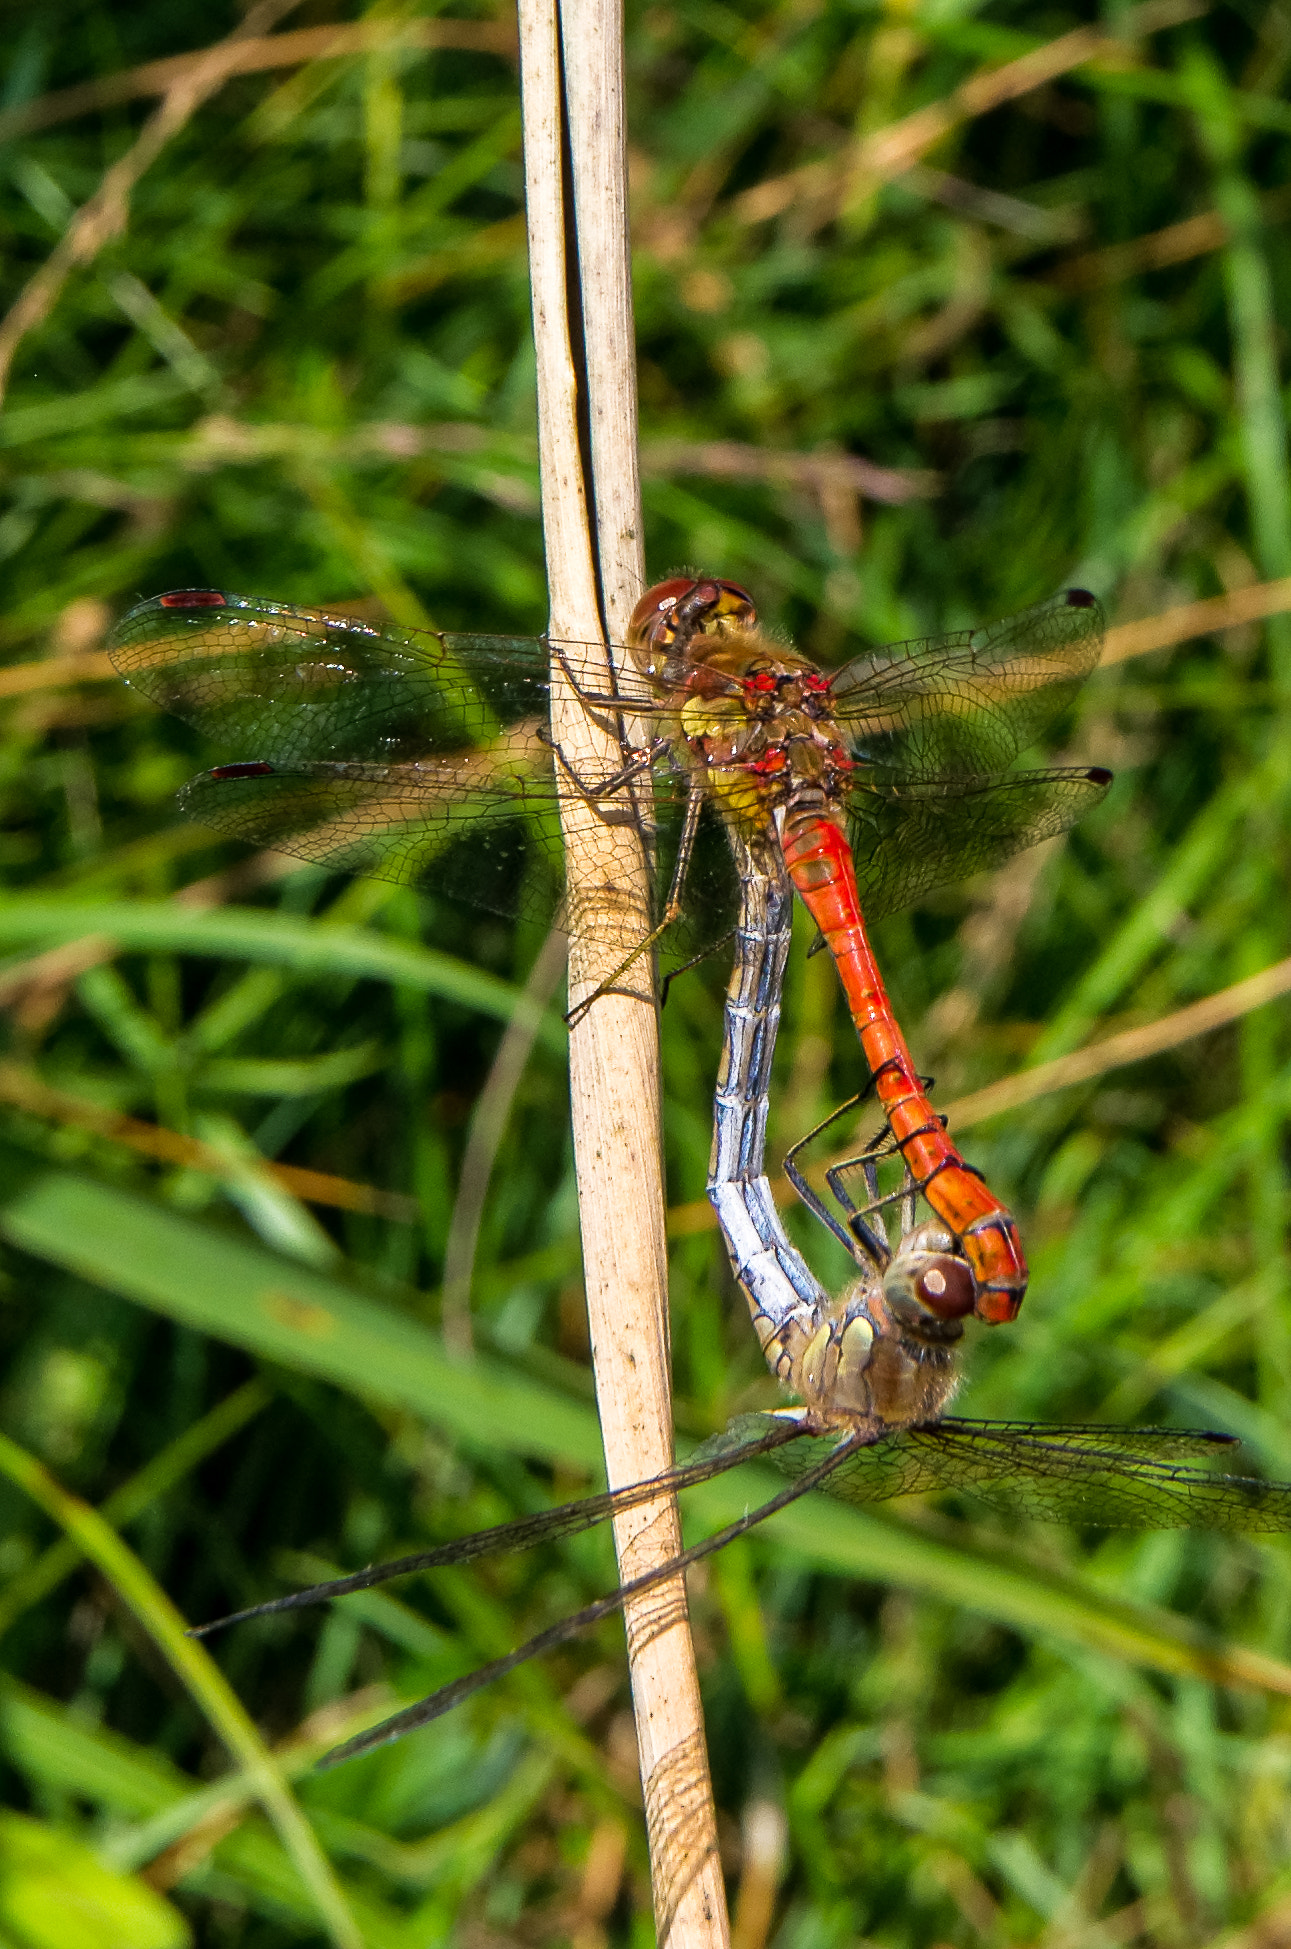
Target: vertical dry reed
575, 165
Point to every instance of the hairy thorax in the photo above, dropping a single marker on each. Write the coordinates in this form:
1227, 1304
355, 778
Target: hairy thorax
759, 722
884, 1354
855, 1363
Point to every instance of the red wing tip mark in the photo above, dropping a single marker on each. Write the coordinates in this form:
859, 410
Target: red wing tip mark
1081, 599
193, 599
1098, 775
253, 768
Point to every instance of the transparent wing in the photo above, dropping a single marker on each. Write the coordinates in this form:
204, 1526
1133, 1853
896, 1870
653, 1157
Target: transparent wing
1139, 1477
484, 830
406, 755
1112, 1478
763, 1434
909, 839
496, 845
288, 685
418, 756
969, 702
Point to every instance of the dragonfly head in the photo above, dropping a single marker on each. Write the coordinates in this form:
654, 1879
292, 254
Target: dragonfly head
929, 1284
884, 1357
669, 616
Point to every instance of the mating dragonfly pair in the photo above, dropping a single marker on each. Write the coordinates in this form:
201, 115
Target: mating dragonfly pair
426, 757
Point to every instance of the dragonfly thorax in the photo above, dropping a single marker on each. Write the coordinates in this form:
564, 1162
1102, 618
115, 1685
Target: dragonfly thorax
884, 1352
858, 1359
759, 730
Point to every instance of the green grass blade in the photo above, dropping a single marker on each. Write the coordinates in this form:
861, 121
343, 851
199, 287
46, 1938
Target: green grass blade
198, 1673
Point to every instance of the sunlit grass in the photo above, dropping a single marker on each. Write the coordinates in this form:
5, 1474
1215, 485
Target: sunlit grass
304, 370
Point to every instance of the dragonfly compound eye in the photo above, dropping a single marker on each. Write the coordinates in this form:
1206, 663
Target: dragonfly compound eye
656, 606
947, 1287
672, 614
714, 605
929, 1280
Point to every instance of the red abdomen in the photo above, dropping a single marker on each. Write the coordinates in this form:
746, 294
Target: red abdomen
819, 860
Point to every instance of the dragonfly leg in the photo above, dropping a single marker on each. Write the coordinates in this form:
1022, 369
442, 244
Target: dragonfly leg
859, 1238
671, 911
693, 962
881, 1144
640, 761
909, 1189
602, 702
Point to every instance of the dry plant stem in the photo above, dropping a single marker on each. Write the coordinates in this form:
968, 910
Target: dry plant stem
1155, 250
24, 1089
888, 152
104, 216
1251, 605
733, 460
614, 1064
592, 40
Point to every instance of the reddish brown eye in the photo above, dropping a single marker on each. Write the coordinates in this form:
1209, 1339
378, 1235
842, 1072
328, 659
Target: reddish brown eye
947, 1287
658, 601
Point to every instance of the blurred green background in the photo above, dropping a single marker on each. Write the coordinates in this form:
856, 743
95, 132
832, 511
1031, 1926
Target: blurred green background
1051, 316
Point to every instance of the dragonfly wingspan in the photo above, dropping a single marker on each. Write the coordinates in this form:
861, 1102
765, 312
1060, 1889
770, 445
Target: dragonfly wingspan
910, 839
1102, 1478
376, 749
286, 684
972, 701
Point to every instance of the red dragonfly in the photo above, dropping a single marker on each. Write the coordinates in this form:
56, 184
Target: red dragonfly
424, 757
